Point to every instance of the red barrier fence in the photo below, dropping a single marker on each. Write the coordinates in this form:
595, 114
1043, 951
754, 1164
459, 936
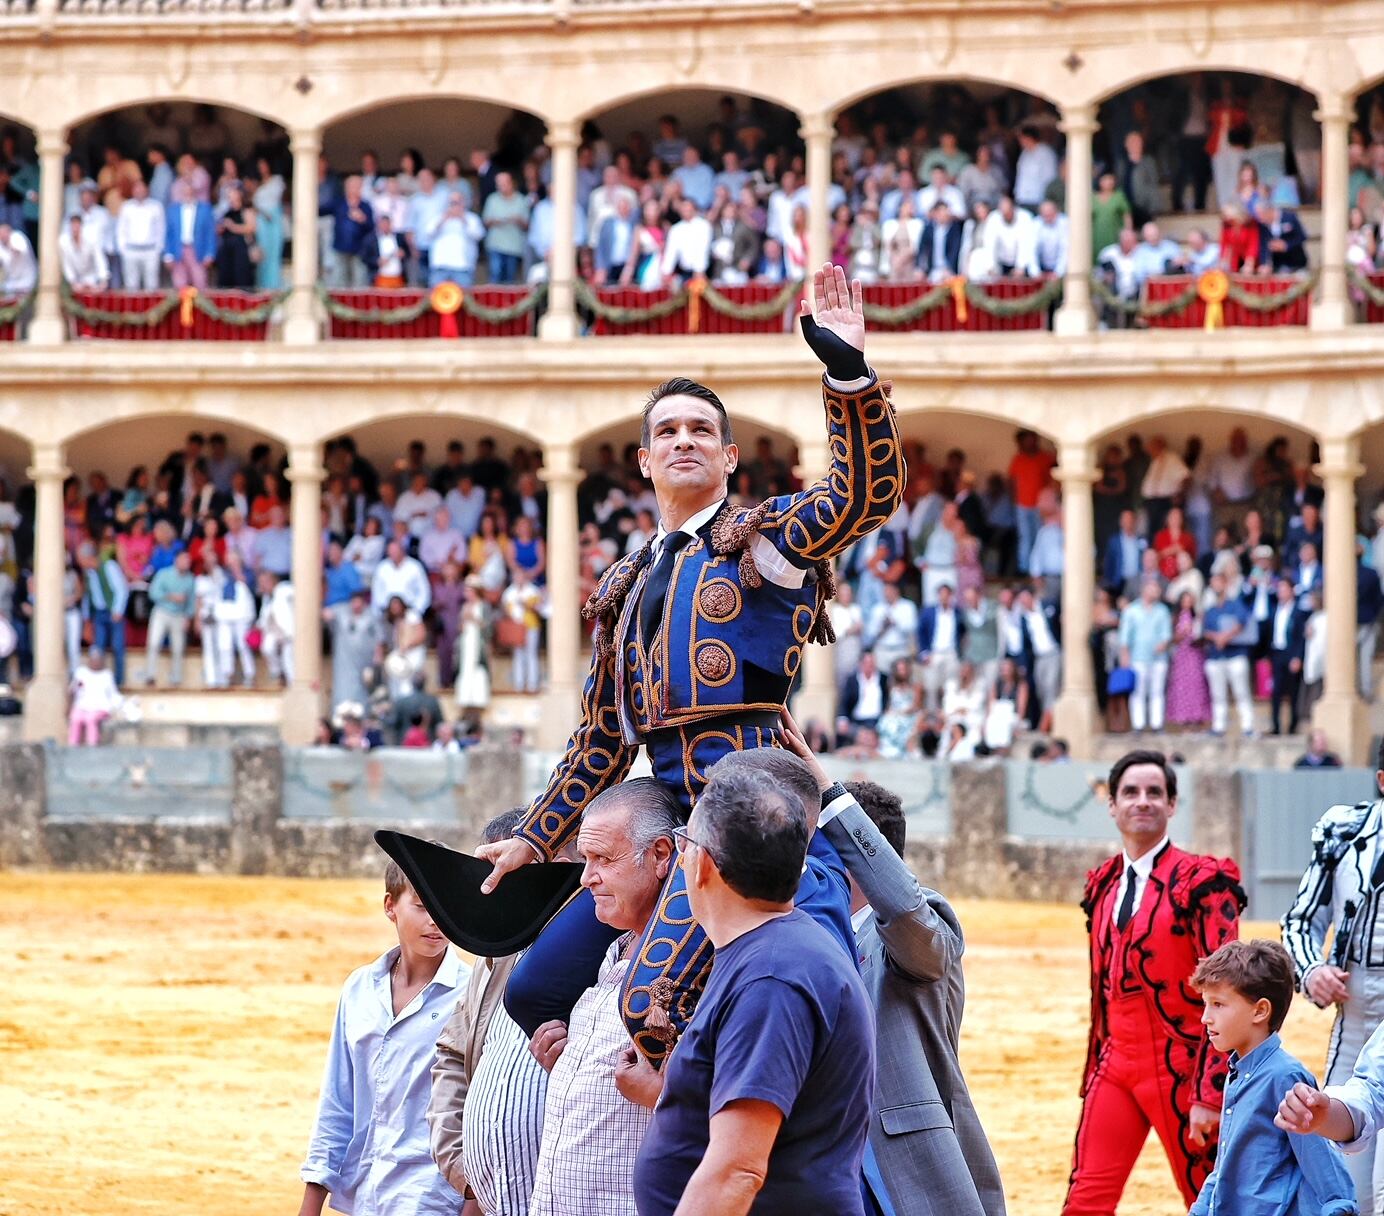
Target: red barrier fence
427, 324
170, 328
945, 318
1234, 315
1374, 313
9, 331
679, 321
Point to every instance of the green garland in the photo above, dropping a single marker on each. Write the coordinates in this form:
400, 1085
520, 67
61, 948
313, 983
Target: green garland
400, 315
9, 313
403, 314
765, 311
976, 296
619, 314
157, 313
502, 314
901, 314
1047, 294
1149, 311
1185, 299
1258, 303
1357, 280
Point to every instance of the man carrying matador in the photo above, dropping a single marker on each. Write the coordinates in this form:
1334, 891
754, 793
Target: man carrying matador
698, 637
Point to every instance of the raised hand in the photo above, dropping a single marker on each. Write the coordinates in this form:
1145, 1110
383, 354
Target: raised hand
835, 329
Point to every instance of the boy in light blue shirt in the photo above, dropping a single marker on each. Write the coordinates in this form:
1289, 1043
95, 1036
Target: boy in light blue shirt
370, 1150
1261, 1170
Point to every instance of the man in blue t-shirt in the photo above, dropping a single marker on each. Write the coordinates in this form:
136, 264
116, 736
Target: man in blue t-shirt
766, 1101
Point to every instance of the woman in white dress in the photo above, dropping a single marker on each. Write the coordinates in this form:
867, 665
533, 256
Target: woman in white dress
473, 671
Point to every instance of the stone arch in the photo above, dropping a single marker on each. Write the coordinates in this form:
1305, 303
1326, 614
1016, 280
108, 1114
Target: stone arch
457, 123
599, 107
907, 78
118, 444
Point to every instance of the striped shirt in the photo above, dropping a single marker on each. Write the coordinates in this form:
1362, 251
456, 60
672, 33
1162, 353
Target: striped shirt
591, 1132
503, 1125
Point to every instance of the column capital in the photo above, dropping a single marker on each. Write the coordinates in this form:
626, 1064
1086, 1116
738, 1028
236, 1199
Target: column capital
1076, 463
51, 142
1078, 120
304, 464
817, 126
49, 463
563, 135
305, 141
1336, 109
1339, 458
1348, 472
560, 464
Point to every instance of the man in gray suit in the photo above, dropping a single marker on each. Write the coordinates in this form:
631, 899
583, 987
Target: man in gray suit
926, 1135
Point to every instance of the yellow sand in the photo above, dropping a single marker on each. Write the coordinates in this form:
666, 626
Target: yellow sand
162, 1038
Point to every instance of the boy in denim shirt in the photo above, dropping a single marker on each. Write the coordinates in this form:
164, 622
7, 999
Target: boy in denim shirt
1261, 1170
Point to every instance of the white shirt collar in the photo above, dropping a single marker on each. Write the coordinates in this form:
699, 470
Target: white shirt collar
1144, 866
692, 525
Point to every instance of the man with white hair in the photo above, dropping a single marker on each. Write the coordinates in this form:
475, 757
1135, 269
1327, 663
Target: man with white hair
591, 1131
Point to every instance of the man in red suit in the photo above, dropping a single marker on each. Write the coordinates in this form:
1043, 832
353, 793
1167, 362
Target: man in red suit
1153, 913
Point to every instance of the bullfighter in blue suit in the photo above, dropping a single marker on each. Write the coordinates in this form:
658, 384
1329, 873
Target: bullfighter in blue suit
698, 638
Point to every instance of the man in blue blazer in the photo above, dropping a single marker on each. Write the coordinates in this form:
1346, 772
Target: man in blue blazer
190, 239
939, 252
1123, 561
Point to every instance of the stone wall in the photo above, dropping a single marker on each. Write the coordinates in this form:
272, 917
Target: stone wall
254, 839
979, 857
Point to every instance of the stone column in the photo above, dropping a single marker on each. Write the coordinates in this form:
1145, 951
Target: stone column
300, 321
1074, 317
1332, 310
302, 703
816, 697
257, 804
1074, 715
23, 805
561, 474
48, 326
559, 323
1340, 711
45, 704
817, 132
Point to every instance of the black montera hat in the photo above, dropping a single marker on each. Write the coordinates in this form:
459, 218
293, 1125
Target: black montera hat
449, 885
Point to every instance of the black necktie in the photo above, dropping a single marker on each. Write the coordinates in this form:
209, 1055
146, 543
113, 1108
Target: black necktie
656, 587
1126, 912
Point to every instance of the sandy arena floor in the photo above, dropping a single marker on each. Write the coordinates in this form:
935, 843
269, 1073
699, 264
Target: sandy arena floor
162, 1039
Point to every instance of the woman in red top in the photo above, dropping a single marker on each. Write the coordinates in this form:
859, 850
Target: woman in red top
213, 540
1171, 541
265, 502
1239, 240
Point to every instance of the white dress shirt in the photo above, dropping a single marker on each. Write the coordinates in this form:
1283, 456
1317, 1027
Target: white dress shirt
1010, 243
370, 1144
688, 246
1143, 867
1165, 476
139, 228
18, 266
944, 631
869, 701
83, 265
456, 242
408, 580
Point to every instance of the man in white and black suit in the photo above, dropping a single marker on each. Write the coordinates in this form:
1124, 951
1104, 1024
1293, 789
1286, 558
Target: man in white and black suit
927, 1138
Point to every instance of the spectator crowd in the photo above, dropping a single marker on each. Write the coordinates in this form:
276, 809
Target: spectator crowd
918, 192
949, 635
1209, 598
